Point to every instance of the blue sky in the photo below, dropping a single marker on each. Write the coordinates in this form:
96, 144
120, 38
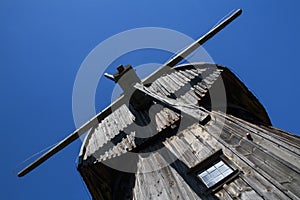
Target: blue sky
43, 44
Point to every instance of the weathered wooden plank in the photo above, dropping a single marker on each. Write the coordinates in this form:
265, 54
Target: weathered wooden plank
164, 84
192, 72
162, 87
244, 151
158, 89
201, 88
188, 136
222, 194
206, 138
186, 74
238, 189
171, 83
182, 77
183, 151
188, 99
233, 190
246, 191
177, 79
225, 135
171, 184
234, 140
200, 150
261, 131
173, 79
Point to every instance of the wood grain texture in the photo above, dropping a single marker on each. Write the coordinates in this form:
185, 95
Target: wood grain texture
269, 165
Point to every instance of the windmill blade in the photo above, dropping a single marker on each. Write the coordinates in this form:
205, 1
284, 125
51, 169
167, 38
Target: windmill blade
72, 137
183, 54
187, 51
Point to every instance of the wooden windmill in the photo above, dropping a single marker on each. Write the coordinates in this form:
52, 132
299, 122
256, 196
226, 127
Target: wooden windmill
167, 138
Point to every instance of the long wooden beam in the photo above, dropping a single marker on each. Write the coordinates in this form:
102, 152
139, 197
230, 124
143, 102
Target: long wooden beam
72, 137
187, 51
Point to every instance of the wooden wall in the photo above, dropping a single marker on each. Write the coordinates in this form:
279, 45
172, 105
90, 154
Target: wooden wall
163, 165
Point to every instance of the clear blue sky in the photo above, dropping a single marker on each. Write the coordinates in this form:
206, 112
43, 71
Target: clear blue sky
43, 44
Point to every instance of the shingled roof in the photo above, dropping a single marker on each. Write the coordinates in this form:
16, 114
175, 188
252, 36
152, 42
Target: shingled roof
188, 84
